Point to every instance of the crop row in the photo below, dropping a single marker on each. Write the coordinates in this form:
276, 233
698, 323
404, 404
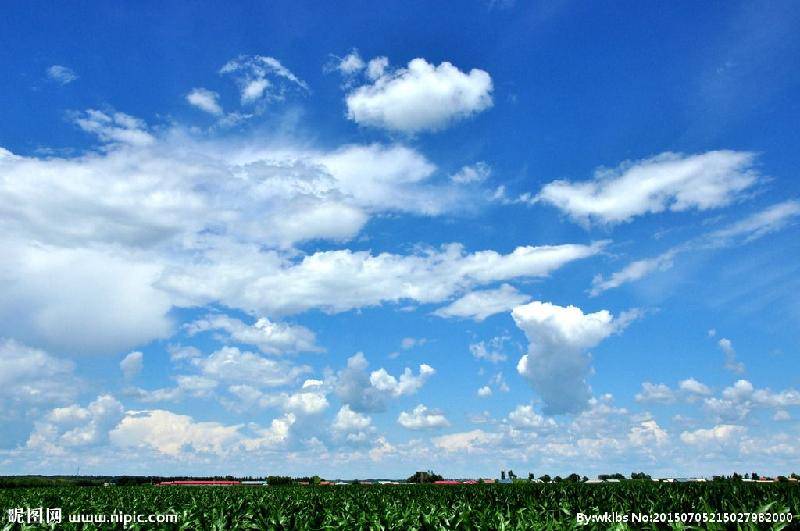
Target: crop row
518, 506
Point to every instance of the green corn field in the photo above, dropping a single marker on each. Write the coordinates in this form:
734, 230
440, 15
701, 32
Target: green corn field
517, 506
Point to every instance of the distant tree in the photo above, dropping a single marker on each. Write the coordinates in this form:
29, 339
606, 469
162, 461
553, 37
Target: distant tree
585, 479
640, 475
782, 479
502, 474
511, 474
557, 479
545, 478
794, 476
530, 476
754, 475
425, 477
275, 481
574, 478
736, 477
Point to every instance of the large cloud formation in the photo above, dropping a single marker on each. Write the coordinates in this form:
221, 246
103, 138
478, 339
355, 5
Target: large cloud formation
557, 364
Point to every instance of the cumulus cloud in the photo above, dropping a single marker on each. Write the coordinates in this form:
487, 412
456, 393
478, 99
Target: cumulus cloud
367, 392
647, 433
669, 181
524, 417
31, 377
348, 420
76, 426
205, 100
689, 390
718, 435
731, 363
422, 418
557, 364
131, 365
229, 364
406, 384
170, 433
421, 97
479, 305
694, 387
269, 337
655, 393
484, 391
467, 441
61, 74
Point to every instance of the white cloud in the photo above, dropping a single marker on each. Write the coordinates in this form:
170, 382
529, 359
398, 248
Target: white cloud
189, 222
348, 420
491, 352
485, 391
307, 403
131, 365
179, 353
731, 362
269, 337
173, 434
556, 364
76, 426
406, 384
188, 385
647, 433
781, 415
692, 386
79, 317
205, 100
632, 272
351, 64
420, 97
738, 400
229, 364
116, 127
367, 392
524, 417
750, 228
31, 377
337, 281
764, 222
655, 393
668, 181
721, 434
479, 305
476, 173
376, 67
261, 78
421, 418
468, 441
61, 74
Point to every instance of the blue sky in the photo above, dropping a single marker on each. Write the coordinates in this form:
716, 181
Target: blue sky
361, 241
